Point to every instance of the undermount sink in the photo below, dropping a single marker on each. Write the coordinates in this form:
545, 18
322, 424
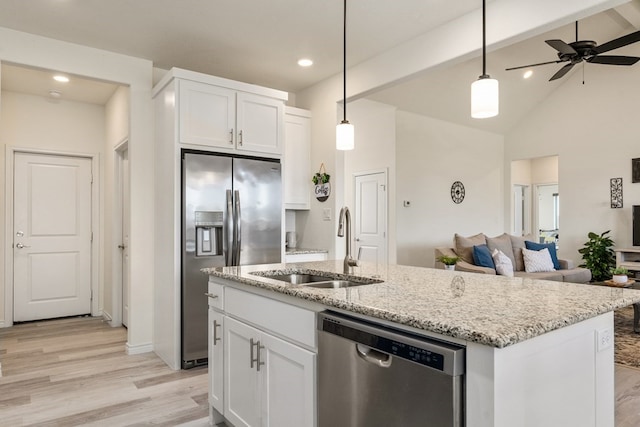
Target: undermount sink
319, 281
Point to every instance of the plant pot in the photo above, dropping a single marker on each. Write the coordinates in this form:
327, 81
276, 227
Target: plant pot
450, 267
620, 278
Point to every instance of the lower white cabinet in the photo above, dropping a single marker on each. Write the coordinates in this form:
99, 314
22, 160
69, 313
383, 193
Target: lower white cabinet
268, 381
263, 373
216, 358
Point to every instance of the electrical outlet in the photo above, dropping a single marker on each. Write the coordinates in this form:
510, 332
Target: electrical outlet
605, 338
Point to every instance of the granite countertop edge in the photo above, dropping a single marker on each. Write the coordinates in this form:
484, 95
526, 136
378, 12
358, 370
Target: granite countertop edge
474, 334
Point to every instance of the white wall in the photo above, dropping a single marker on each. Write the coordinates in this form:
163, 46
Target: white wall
431, 155
35, 122
594, 130
27, 49
117, 131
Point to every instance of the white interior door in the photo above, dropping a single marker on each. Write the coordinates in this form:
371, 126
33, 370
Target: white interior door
124, 246
371, 217
51, 236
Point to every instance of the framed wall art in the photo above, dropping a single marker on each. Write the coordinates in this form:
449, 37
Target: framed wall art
616, 193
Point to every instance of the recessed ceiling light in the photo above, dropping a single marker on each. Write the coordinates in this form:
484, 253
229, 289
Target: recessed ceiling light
61, 79
527, 74
55, 94
304, 62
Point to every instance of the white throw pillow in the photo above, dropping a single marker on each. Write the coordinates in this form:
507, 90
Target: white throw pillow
535, 261
504, 266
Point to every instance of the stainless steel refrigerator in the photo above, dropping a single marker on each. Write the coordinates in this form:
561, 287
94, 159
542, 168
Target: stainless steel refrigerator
231, 215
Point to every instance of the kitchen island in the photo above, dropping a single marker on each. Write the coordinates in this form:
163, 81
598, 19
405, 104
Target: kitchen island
537, 352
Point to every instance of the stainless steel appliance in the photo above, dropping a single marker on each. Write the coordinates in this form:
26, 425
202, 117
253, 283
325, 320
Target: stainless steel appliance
371, 375
231, 215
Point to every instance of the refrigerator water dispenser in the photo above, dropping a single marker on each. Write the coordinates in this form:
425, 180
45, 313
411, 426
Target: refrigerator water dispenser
208, 233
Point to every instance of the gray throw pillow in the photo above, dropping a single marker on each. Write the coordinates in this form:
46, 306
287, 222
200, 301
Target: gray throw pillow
464, 245
517, 242
503, 244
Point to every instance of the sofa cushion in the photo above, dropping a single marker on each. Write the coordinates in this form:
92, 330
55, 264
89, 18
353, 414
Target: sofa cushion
482, 256
537, 261
550, 246
517, 242
504, 267
503, 244
464, 245
555, 276
576, 275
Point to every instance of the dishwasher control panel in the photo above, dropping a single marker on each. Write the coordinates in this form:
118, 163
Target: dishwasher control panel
396, 344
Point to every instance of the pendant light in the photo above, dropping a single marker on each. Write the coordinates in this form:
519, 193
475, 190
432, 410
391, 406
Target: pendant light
344, 130
484, 91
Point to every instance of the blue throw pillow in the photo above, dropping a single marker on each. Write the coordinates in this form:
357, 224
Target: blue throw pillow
533, 246
482, 256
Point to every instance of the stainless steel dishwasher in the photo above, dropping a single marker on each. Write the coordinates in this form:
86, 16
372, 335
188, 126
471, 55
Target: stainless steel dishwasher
371, 375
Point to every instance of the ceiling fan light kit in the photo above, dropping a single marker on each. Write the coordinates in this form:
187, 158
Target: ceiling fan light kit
588, 51
345, 134
485, 93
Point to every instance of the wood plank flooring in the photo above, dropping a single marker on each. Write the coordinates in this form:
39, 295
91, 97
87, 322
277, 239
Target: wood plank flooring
73, 372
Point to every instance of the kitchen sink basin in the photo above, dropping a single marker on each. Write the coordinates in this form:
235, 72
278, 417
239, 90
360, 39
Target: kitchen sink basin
315, 280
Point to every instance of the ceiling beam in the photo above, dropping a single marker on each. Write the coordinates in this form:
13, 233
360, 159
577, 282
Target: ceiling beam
630, 12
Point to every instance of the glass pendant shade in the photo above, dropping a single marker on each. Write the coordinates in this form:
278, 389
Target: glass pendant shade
484, 98
345, 136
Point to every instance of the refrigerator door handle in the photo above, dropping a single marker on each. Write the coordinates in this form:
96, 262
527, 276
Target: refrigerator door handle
229, 231
238, 231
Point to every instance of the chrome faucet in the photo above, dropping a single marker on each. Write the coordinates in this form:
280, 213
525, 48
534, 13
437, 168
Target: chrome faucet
348, 260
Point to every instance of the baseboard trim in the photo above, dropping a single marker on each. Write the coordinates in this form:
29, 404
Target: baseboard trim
139, 349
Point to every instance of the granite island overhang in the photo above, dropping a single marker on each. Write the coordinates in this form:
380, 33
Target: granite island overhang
522, 335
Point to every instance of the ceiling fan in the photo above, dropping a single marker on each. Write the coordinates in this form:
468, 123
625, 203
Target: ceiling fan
589, 51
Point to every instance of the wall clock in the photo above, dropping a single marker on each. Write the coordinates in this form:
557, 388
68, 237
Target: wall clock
457, 192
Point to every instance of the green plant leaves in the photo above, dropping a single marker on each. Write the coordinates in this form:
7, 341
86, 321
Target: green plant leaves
598, 255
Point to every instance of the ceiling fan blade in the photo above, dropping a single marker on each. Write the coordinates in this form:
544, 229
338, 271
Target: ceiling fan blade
614, 60
561, 47
619, 42
562, 71
532, 65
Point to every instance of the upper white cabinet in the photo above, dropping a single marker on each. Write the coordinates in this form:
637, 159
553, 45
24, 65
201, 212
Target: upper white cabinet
218, 117
297, 158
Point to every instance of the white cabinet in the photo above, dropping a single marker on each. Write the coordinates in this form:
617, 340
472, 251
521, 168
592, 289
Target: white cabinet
267, 377
219, 117
297, 158
308, 257
216, 359
269, 381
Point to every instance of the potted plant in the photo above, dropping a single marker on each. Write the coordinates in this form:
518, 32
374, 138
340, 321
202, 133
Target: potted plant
598, 256
620, 275
449, 261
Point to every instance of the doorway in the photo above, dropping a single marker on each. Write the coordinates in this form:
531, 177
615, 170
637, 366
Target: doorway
371, 216
120, 290
52, 236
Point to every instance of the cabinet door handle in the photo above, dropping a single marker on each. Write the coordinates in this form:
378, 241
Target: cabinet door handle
231, 136
216, 325
259, 361
240, 137
212, 296
251, 359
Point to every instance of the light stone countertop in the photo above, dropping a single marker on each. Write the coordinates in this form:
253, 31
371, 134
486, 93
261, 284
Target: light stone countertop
496, 311
302, 251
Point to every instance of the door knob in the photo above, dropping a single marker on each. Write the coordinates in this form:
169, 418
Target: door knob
21, 246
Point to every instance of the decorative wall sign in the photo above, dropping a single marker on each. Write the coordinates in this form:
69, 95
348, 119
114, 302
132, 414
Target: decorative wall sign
616, 193
321, 180
457, 192
635, 170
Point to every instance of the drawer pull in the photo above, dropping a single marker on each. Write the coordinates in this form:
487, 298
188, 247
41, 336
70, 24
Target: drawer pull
214, 296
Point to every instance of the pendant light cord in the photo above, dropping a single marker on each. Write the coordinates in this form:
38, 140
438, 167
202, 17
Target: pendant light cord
484, 40
344, 62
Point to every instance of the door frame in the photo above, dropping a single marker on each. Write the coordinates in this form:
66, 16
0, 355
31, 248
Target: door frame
10, 152
116, 254
385, 172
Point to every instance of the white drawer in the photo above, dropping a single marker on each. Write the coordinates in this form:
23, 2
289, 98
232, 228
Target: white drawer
286, 320
216, 295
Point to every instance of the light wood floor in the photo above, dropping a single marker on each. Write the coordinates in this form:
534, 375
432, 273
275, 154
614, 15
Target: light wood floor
73, 372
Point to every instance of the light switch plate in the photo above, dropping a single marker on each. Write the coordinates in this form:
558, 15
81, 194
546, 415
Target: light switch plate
326, 214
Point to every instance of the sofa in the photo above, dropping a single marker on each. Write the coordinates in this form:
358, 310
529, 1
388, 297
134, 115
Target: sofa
512, 246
